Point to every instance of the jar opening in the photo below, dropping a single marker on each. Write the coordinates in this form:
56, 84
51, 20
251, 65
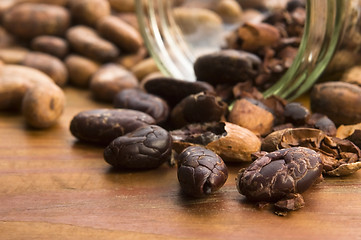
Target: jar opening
178, 32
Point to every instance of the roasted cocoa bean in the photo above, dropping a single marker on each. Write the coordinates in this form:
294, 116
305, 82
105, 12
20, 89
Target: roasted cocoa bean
273, 176
174, 90
339, 157
104, 125
91, 46
120, 33
29, 20
109, 80
42, 105
123, 5
230, 11
145, 148
136, 99
227, 66
13, 55
191, 20
201, 107
355, 137
55, 46
340, 101
200, 171
80, 70
89, 11
230, 141
248, 115
16, 81
257, 36
49, 65
322, 122
296, 114
144, 67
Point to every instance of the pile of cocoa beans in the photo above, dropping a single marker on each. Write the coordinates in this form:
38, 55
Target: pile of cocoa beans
46, 45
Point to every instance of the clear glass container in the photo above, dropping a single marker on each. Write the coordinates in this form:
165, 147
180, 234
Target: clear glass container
329, 45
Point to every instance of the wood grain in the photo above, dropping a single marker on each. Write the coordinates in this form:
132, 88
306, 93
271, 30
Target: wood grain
54, 187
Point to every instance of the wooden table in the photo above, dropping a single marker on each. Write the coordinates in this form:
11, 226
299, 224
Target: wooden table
54, 187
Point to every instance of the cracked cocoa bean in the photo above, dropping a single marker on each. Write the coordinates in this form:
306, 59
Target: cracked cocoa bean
145, 148
104, 125
138, 100
200, 171
339, 157
272, 177
231, 142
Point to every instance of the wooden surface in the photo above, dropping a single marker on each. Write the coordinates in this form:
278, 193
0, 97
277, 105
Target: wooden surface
53, 187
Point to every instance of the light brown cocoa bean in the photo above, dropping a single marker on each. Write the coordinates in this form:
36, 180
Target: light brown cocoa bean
29, 20
80, 70
91, 46
48, 64
111, 79
120, 33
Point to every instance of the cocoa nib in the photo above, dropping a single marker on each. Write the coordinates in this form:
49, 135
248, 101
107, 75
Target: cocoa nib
340, 157
280, 176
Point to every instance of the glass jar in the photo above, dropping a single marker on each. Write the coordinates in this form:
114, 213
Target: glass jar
330, 41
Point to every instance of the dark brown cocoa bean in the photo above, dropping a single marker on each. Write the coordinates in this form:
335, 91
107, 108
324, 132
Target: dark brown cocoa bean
355, 137
104, 125
200, 171
145, 148
174, 90
322, 122
201, 107
273, 176
136, 99
296, 114
227, 66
